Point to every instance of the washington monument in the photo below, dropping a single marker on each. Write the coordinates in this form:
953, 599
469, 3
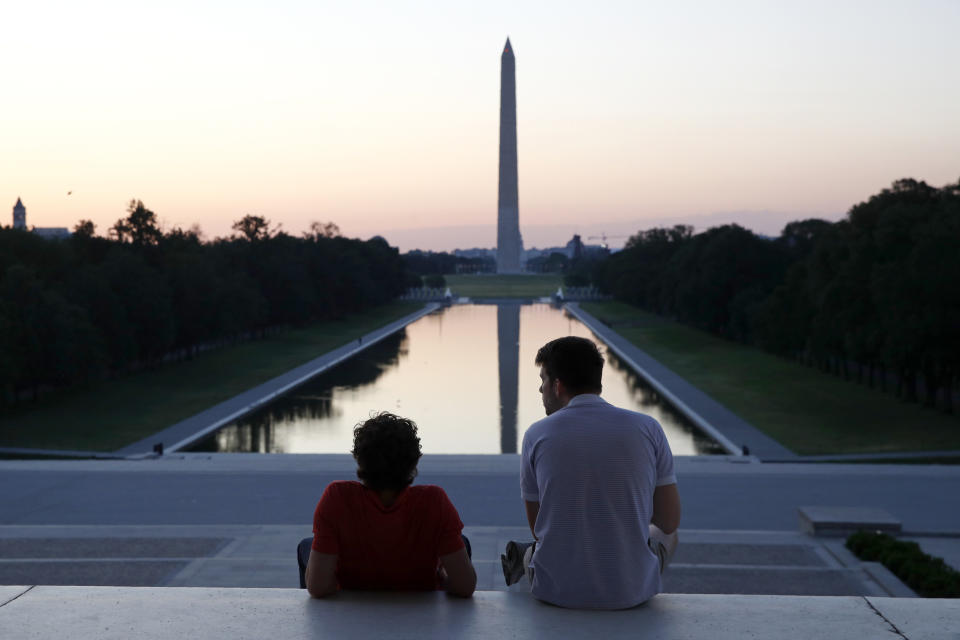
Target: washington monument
509, 243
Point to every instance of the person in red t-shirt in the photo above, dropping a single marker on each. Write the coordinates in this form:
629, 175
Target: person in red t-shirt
383, 533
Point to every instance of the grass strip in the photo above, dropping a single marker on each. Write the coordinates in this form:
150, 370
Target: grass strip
943, 460
808, 411
930, 577
487, 285
111, 414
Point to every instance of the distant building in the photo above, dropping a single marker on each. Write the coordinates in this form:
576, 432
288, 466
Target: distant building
573, 250
19, 216
475, 253
480, 260
50, 233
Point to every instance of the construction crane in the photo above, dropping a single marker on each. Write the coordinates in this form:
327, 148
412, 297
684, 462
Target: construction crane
603, 239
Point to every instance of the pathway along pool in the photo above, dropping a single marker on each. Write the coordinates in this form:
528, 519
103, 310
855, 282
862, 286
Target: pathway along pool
464, 374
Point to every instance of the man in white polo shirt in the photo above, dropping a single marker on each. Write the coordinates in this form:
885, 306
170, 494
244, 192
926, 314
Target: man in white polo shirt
599, 489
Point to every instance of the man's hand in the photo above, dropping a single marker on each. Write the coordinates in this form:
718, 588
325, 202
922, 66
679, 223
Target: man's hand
666, 508
321, 574
461, 578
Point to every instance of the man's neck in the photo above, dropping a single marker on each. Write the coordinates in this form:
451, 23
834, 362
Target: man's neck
388, 497
580, 395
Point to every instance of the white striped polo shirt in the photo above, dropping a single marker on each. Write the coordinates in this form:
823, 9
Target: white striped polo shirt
593, 468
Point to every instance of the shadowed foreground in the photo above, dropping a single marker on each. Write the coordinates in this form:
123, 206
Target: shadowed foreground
116, 612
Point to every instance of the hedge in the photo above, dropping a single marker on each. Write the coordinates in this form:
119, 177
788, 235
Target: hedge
930, 577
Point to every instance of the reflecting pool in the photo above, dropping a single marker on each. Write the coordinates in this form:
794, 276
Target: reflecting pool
465, 374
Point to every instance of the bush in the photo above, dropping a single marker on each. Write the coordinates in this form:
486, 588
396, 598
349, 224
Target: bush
930, 577
576, 279
434, 281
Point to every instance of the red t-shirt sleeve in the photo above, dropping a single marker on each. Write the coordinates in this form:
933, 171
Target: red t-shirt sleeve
324, 522
450, 526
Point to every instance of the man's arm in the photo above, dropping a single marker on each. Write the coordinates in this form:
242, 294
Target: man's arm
533, 508
666, 508
461, 576
321, 574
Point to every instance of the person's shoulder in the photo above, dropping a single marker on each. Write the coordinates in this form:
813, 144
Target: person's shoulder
338, 495
346, 485
543, 423
646, 424
539, 428
343, 488
427, 494
426, 490
635, 417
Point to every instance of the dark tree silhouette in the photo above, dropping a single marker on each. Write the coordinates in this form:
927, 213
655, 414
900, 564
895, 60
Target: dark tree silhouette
253, 228
872, 297
85, 229
93, 306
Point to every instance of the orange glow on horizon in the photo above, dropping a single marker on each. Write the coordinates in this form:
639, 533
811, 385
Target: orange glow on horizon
386, 120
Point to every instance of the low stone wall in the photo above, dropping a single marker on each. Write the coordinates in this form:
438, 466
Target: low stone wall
106, 613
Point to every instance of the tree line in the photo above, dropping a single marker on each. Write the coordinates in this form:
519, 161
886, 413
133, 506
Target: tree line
427, 268
872, 297
89, 307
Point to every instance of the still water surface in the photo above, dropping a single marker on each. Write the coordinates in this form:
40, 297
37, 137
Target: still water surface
464, 374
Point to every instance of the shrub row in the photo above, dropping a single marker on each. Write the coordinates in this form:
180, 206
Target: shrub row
930, 577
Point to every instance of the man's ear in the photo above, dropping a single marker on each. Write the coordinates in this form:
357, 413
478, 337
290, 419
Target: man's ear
561, 389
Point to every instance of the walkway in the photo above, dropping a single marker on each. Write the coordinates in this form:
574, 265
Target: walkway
729, 429
759, 563
234, 519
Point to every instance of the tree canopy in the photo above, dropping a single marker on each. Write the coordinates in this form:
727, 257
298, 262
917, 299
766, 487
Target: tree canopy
88, 307
872, 296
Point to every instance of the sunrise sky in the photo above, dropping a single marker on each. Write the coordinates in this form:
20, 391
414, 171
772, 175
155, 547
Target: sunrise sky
383, 117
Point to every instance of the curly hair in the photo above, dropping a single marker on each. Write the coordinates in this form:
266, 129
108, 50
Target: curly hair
387, 449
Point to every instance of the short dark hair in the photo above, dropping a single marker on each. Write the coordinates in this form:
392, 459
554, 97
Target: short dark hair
576, 362
387, 449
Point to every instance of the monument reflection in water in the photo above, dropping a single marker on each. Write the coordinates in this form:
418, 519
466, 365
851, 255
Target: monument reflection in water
466, 376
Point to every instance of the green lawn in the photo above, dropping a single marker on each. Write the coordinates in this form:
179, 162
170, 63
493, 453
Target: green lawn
485, 285
808, 411
951, 460
115, 413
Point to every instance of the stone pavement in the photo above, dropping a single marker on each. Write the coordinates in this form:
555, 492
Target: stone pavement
718, 492
237, 614
762, 563
215, 520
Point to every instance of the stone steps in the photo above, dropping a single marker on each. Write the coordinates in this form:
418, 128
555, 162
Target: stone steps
718, 562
